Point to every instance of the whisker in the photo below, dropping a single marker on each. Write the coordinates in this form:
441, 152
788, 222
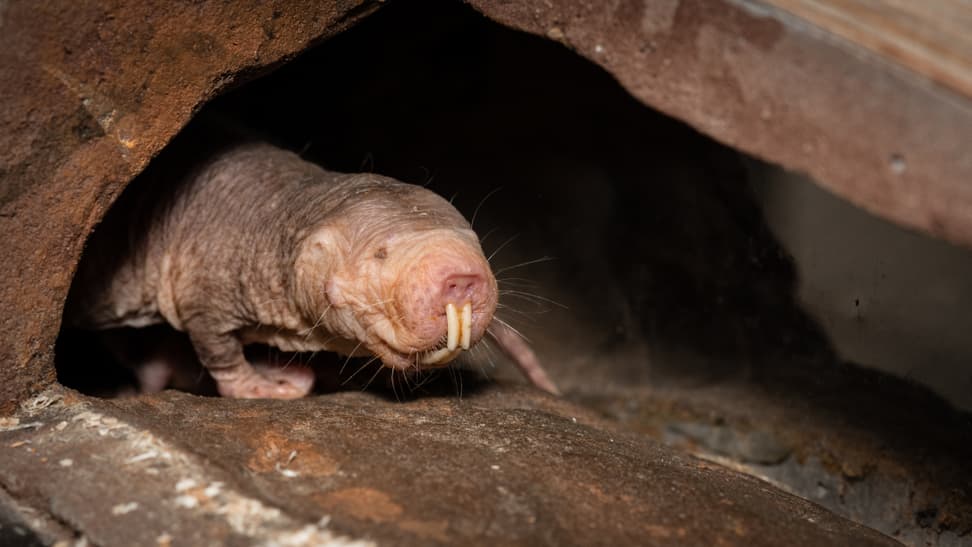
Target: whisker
373, 376
507, 325
524, 314
367, 163
459, 375
479, 348
489, 349
293, 355
472, 223
489, 233
316, 323
425, 376
429, 176
406, 377
535, 298
201, 375
419, 378
521, 264
305, 148
394, 389
456, 381
362, 367
500, 248
517, 281
341, 371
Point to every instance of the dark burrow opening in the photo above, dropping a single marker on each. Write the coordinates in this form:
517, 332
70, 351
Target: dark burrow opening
632, 249
613, 229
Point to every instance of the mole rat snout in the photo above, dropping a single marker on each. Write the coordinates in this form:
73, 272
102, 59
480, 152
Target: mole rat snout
461, 288
447, 297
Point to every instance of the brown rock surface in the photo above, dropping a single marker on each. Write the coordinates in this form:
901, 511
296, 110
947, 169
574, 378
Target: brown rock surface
757, 78
503, 466
872, 449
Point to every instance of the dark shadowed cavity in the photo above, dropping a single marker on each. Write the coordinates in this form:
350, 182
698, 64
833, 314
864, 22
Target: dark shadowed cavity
628, 247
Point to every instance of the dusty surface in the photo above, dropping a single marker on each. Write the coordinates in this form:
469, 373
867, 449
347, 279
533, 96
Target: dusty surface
851, 440
504, 467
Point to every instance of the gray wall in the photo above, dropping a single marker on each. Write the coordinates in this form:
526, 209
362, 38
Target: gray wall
889, 298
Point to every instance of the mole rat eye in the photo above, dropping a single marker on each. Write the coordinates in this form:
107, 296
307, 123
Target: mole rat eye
381, 253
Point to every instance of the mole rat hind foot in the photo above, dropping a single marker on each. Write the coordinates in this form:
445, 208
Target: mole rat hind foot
265, 381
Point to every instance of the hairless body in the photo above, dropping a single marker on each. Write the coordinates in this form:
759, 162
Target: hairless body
252, 244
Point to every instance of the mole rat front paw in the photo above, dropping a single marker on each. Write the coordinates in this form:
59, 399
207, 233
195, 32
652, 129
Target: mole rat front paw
267, 382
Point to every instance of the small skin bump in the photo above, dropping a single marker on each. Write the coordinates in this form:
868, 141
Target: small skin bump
381, 253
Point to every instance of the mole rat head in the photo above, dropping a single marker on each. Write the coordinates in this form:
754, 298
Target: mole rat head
398, 269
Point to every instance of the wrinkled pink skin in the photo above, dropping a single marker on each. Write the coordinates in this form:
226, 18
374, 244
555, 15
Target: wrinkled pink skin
256, 245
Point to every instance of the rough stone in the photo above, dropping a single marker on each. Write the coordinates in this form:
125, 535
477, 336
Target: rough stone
873, 449
754, 77
503, 466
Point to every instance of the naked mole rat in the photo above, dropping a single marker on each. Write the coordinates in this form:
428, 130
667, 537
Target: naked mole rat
242, 242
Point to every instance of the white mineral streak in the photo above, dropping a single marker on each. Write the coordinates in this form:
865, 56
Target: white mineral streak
192, 486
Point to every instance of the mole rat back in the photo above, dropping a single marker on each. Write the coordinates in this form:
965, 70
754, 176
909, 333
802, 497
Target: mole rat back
242, 242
